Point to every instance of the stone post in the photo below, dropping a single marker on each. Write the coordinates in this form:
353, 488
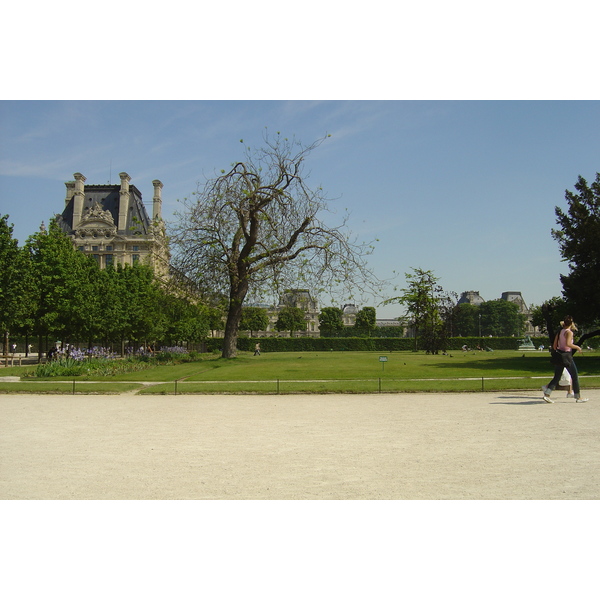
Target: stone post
124, 200
157, 200
78, 198
70, 185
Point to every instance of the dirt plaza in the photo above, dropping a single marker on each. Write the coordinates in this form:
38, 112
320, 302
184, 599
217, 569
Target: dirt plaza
502, 446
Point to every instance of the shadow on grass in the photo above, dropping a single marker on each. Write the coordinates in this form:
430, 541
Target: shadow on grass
526, 365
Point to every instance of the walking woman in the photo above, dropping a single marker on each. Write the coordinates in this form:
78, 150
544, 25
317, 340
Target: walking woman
563, 344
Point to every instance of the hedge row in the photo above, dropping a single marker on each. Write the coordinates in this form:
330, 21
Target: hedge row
308, 344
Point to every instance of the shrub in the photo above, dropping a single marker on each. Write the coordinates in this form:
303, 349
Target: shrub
71, 367
363, 344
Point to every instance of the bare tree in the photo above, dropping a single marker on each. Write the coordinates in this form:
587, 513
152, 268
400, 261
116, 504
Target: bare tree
259, 227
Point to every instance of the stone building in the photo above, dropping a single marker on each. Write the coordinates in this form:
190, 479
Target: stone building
517, 299
349, 312
295, 298
473, 297
110, 223
299, 298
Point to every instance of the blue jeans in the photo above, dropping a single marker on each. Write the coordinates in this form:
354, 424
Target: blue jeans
572, 368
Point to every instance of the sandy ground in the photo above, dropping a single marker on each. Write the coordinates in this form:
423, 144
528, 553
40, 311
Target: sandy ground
507, 445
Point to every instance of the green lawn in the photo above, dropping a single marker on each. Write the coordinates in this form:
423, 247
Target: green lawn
323, 372
65, 387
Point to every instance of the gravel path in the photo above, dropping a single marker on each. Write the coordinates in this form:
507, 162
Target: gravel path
503, 445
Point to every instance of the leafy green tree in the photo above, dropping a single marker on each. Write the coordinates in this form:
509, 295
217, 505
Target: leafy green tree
259, 227
141, 298
548, 315
426, 303
63, 298
13, 282
254, 319
197, 322
82, 322
174, 313
466, 320
578, 237
216, 318
114, 314
366, 319
501, 318
291, 318
134, 308
185, 321
331, 320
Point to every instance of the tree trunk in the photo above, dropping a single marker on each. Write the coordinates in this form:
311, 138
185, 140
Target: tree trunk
234, 317
547, 316
231, 330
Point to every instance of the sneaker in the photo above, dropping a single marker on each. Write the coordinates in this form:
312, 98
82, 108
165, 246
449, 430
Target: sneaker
581, 399
548, 399
570, 395
547, 391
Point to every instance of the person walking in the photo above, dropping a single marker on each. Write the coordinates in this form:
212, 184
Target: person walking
563, 344
257, 350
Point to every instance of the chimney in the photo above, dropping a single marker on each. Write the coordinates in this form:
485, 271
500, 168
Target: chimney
78, 198
124, 200
70, 192
157, 200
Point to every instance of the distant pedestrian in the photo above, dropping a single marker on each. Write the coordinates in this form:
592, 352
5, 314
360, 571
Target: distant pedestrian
564, 346
257, 350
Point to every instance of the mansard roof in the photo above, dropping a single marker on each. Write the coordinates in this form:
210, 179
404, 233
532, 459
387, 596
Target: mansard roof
471, 297
107, 197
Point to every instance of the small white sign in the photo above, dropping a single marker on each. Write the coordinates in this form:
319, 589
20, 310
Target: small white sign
383, 359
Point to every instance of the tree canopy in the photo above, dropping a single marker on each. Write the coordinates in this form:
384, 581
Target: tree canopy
254, 318
501, 318
291, 318
15, 281
366, 319
578, 237
50, 289
331, 320
259, 228
429, 308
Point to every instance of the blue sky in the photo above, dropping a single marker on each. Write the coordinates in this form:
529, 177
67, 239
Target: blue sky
464, 188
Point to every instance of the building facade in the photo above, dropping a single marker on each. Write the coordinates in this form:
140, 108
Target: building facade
111, 224
473, 297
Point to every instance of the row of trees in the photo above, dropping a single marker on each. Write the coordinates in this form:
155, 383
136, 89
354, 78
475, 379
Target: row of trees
49, 290
331, 321
289, 318
434, 314
293, 319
